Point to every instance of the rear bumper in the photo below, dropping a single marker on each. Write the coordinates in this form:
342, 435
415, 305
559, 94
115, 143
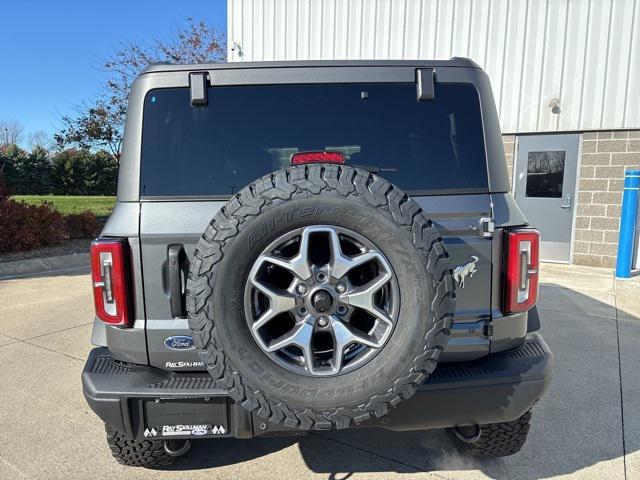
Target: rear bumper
497, 388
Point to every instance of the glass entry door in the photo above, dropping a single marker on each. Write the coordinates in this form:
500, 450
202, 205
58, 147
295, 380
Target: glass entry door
544, 188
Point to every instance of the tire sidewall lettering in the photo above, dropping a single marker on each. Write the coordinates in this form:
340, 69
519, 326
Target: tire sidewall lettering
264, 229
309, 393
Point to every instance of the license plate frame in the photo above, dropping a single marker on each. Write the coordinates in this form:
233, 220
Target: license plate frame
176, 418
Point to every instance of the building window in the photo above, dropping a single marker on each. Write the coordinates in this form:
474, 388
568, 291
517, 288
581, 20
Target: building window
545, 174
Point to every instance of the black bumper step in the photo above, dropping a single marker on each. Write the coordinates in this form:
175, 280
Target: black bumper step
499, 387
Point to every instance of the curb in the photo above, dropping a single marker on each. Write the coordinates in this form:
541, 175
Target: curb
43, 265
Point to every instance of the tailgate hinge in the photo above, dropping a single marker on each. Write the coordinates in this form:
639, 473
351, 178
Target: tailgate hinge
486, 227
488, 330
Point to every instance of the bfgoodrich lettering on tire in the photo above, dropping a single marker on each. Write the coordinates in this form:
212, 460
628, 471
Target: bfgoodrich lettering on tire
320, 296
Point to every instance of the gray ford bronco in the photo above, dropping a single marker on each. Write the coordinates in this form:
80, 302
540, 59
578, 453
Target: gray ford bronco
309, 246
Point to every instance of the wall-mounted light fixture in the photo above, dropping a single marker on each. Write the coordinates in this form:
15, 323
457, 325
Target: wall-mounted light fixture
554, 105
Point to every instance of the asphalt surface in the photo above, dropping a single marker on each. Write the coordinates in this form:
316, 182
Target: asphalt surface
587, 426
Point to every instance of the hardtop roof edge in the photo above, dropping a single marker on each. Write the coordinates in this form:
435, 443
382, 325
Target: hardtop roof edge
452, 62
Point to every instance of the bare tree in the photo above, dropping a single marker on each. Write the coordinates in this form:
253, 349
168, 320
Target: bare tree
10, 132
37, 139
100, 123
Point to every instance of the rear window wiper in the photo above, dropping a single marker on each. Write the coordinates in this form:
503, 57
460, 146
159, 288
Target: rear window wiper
376, 169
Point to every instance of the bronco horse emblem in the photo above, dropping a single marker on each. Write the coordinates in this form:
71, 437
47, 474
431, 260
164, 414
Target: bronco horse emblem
461, 271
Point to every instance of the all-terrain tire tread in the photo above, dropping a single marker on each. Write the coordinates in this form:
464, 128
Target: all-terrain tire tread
134, 453
304, 181
499, 439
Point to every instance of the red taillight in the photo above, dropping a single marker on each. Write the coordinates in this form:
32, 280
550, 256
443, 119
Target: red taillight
110, 278
522, 247
302, 158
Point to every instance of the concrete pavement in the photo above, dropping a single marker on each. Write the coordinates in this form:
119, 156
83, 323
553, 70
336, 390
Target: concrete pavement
56, 264
581, 429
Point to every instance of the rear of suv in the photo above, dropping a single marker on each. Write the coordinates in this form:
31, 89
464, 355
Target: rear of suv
314, 245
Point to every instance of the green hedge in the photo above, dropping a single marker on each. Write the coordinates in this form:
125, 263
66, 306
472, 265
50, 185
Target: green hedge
69, 172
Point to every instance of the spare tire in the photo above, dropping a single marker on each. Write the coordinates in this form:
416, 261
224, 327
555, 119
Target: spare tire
320, 296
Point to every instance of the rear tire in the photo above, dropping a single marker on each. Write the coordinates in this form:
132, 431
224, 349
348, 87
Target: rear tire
134, 453
494, 439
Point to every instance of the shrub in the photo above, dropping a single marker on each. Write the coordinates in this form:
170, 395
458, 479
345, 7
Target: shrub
4, 190
82, 225
26, 227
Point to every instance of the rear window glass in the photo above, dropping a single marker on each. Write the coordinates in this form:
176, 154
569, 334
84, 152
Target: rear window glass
246, 132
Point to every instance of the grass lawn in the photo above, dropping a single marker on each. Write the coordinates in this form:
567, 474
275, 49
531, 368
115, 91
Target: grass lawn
101, 206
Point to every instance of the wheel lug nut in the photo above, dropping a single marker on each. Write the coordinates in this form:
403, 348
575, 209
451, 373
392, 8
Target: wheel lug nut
302, 289
303, 310
321, 277
341, 309
341, 288
323, 322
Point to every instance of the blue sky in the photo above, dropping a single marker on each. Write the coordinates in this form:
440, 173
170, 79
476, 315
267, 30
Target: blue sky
50, 51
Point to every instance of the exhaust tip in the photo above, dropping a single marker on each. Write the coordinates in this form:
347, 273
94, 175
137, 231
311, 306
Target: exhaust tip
176, 448
468, 434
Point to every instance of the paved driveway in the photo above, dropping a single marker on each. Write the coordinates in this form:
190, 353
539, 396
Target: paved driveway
588, 425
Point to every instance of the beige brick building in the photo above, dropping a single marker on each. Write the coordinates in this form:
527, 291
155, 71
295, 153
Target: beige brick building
603, 158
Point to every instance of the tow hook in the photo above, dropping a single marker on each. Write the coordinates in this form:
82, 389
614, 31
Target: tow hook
176, 448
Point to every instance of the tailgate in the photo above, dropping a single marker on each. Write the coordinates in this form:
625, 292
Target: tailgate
180, 224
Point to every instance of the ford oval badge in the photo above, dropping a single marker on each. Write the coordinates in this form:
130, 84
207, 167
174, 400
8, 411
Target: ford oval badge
179, 342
